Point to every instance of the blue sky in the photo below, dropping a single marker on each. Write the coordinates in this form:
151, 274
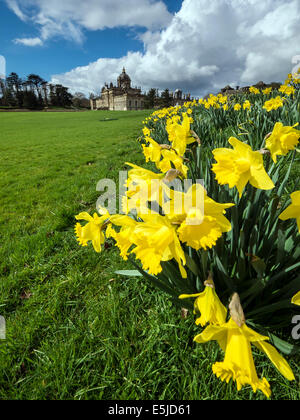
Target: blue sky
60, 55
198, 46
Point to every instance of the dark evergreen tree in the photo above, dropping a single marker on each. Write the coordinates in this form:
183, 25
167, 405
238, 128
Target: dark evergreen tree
36, 82
30, 100
33, 93
8, 98
64, 98
14, 84
166, 98
150, 99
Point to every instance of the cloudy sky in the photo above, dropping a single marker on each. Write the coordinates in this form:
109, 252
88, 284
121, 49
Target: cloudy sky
196, 45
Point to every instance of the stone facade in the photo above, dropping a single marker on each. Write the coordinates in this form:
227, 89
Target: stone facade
121, 97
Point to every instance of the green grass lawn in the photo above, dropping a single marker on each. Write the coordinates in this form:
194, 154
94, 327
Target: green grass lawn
76, 330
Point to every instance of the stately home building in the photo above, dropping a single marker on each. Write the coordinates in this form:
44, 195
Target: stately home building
125, 98
121, 97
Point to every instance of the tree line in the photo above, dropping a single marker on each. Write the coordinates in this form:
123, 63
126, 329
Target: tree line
34, 92
155, 100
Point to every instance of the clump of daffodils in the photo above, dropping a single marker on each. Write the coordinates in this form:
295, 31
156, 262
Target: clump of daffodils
273, 104
231, 243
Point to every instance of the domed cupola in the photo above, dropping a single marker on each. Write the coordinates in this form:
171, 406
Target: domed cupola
124, 80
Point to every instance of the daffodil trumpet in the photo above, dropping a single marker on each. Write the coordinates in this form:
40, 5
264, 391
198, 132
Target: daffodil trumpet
208, 304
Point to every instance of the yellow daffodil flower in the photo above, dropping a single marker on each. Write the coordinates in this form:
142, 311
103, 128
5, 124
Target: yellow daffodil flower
254, 90
93, 230
153, 240
146, 132
124, 238
156, 241
238, 363
201, 221
209, 305
140, 173
222, 99
143, 186
273, 103
240, 165
237, 107
179, 133
287, 90
267, 91
170, 159
296, 299
203, 235
152, 152
282, 140
293, 210
246, 105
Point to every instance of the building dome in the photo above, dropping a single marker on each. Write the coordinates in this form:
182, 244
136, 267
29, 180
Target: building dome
178, 94
124, 80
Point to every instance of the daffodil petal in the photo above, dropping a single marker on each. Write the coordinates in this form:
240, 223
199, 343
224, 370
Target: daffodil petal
278, 361
296, 299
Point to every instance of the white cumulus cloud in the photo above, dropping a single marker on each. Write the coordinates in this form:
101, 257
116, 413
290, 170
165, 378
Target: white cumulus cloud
207, 45
70, 18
